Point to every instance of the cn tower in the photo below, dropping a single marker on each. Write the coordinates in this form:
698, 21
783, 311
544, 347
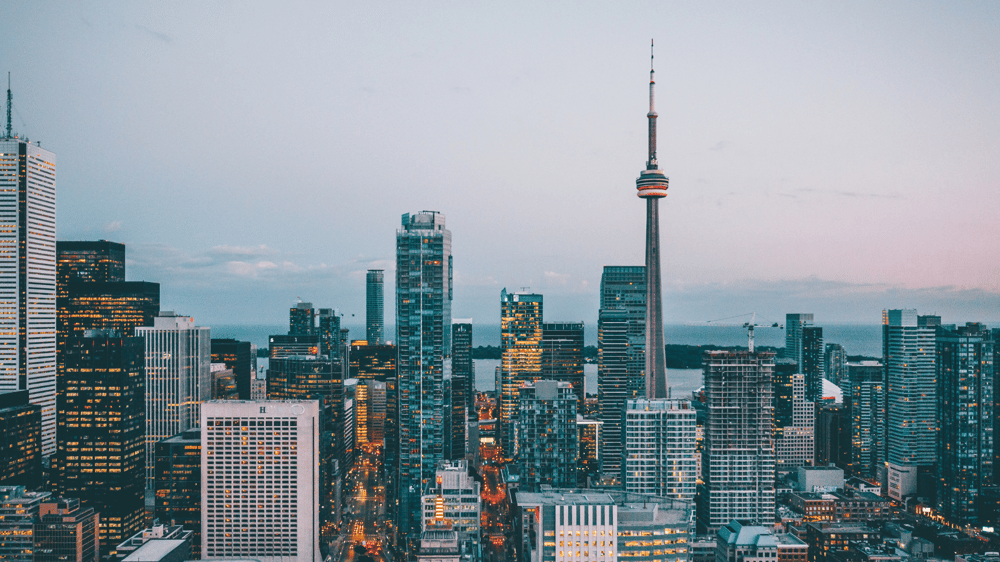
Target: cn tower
652, 185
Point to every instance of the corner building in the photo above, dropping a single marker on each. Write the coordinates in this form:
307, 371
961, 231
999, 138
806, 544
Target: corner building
423, 337
28, 277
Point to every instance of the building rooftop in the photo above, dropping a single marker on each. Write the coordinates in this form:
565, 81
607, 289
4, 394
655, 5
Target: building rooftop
564, 497
154, 550
651, 513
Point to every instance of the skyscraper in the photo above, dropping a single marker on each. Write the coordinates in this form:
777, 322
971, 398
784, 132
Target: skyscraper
100, 454
659, 448
794, 418
20, 441
178, 484
463, 387
520, 360
813, 363
562, 356
236, 356
423, 337
375, 307
98, 261
260, 480
330, 333
835, 358
548, 434
911, 404
793, 335
621, 357
178, 379
119, 306
738, 457
652, 185
966, 401
28, 265
865, 403
302, 319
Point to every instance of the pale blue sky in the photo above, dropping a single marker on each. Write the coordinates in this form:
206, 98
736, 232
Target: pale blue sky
833, 157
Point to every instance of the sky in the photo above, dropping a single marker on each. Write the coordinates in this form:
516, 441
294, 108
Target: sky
836, 158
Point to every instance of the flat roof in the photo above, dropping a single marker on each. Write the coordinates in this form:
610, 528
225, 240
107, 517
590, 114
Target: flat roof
564, 498
154, 549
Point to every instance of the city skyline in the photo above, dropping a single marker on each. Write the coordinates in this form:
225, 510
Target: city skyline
770, 126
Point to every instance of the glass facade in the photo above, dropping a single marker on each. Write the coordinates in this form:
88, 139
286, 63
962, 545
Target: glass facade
562, 356
463, 388
375, 307
547, 430
88, 262
520, 360
178, 484
236, 356
20, 441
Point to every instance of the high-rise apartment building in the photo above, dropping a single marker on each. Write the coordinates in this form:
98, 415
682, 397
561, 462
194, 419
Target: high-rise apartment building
794, 418
178, 484
20, 440
548, 434
423, 337
836, 358
235, 355
621, 344
966, 402
813, 362
28, 267
833, 436
911, 403
463, 388
18, 513
589, 458
100, 454
794, 323
865, 403
520, 360
260, 480
66, 530
178, 378
302, 319
738, 451
375, 307
562, 356
98, 261
659, 448
332, 338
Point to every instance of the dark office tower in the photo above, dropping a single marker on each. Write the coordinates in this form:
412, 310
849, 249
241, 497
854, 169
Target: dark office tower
463, 388
547, 430
375, 307
621, 344
864, 401
966, 402
100, 452
813, 363
66, 531
562, 356
423, 335
178, 484
835, 360
286, 346
88, 262
794, 418
794, 323
520, 360
20, 441
911, 401
307, 378
833, 436
121, 307
329, 333
652, 185
302, 319
738, 452
372, 361
236, 356
28, 269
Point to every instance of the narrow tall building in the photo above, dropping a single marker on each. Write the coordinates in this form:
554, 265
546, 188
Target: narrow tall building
178, 484
375, 307
660, 449
835, 359
260, 480
302, 319
966, 402
178, 379
549, 442
100, 454
423, 337
738, 452
813, 363
794, 418
652, 185
794, 323
562, 356
28, 267
463, 388
911, 404
621, 356
520, 360
865, 403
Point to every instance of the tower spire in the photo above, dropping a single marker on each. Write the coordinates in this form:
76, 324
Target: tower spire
651, 162
10, 107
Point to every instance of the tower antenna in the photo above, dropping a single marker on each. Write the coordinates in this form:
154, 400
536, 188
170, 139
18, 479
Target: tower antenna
10, 107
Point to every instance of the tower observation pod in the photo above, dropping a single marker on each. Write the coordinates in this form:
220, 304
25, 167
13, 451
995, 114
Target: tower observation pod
652, 185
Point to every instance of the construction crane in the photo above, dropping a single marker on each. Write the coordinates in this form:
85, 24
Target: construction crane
748, 326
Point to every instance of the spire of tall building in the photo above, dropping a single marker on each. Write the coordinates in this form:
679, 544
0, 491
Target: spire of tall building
652, 185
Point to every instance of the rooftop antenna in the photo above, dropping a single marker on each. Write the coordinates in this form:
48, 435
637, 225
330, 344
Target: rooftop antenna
10, 107
651, 163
